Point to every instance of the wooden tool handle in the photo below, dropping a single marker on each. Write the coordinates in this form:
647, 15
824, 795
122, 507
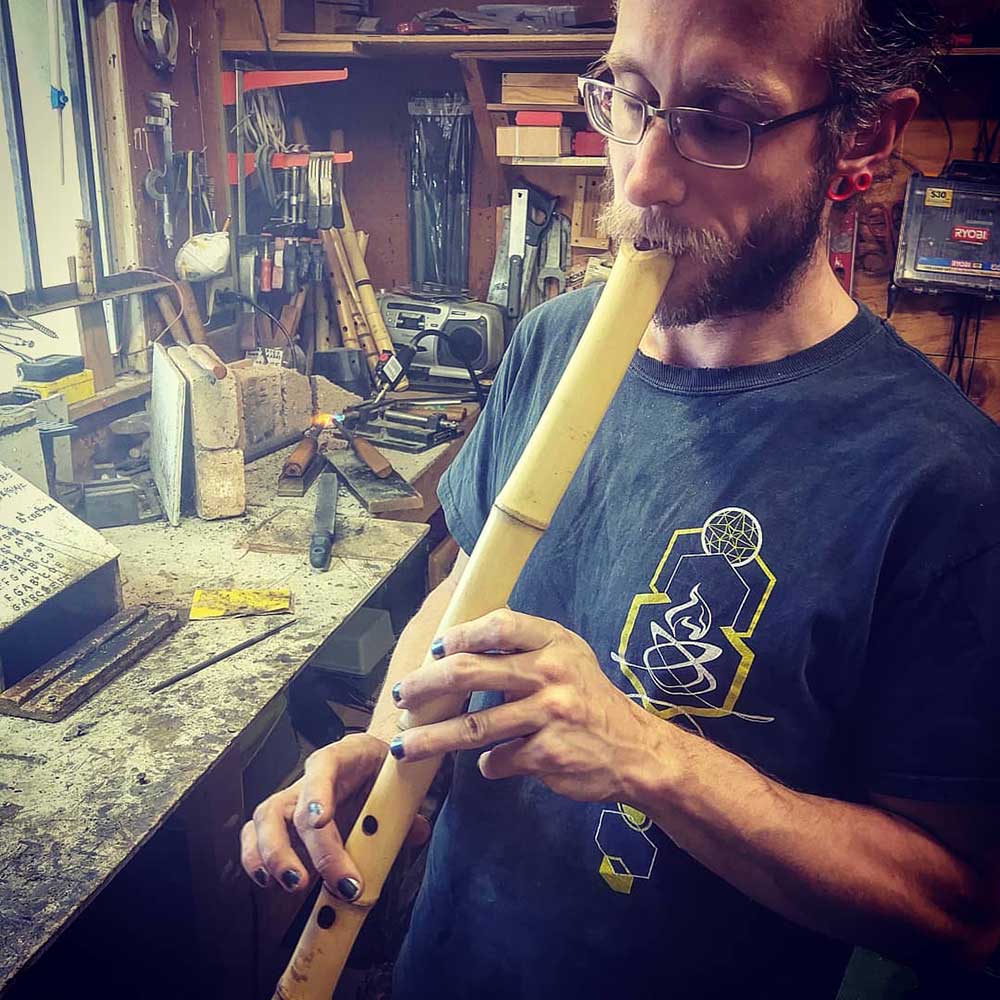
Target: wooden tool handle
297, 463
519, 517
372, 457
192, 314
169, 313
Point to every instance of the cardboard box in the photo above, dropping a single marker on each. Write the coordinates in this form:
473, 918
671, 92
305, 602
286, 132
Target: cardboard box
533, 140
539, 88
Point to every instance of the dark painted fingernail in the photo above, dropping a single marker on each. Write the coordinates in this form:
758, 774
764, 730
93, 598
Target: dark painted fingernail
437, 648
291, 878
397, 695
261, 877
396, 748
315, 810
349, 889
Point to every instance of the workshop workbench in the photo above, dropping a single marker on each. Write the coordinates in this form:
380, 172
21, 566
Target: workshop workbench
79, 798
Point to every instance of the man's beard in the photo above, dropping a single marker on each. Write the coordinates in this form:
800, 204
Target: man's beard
758, 273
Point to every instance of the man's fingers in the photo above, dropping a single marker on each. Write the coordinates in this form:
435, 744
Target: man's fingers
503, 630
463, 673
316, 802
274, 846
253, 863
469, 732
331, 860
331, 779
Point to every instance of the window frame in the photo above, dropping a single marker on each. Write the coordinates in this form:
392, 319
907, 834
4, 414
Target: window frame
37, 297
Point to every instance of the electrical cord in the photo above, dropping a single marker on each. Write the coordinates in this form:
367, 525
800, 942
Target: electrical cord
943, 115
968, 314
480, 392
264, 119
177, 291
975, 347
274, 319
908, 163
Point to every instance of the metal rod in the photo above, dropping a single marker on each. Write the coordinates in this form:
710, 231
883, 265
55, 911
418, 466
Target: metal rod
209, 661
18, 148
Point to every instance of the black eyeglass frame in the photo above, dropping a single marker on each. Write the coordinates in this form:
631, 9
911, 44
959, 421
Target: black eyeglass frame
754, 129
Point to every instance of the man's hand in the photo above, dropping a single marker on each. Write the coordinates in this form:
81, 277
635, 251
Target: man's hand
563, 721
296, 833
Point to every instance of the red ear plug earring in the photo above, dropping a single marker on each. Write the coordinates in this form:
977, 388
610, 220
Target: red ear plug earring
844, 186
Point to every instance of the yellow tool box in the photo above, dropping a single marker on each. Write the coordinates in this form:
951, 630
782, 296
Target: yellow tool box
73, 387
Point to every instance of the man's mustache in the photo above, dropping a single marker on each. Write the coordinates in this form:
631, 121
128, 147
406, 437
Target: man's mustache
625, 223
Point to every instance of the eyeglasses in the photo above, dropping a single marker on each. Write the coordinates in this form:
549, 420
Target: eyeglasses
705, 137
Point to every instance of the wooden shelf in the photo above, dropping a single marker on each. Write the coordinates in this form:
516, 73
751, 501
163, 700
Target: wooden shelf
566, 108
470, 46
565, 162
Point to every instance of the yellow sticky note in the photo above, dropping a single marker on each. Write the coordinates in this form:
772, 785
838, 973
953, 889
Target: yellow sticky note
236, 603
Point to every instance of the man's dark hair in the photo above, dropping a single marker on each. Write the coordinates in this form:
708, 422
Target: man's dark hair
873, 48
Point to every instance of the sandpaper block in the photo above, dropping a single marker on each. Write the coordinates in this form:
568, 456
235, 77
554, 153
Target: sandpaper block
377, 496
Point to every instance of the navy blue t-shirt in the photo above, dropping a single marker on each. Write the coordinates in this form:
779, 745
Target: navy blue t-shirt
798, 559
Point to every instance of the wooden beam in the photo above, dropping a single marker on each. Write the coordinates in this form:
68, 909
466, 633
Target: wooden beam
94, 346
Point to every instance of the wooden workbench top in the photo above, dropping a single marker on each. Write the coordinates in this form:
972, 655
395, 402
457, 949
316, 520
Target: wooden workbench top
78, 798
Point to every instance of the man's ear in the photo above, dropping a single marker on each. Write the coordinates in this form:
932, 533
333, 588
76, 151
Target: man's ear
875, 145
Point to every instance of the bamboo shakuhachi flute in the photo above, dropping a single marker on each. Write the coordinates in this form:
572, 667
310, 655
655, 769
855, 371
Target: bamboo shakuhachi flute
520, 516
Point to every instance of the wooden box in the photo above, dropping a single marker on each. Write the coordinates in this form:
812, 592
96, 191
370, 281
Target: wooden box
533, 140
539, 88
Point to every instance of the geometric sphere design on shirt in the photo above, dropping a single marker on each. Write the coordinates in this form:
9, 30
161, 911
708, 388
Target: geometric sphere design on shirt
733, 533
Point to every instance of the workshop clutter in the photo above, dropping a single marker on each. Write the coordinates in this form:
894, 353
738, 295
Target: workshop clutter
252, 410
537, 131
533, 253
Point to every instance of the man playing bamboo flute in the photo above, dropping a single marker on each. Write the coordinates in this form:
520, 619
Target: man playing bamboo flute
743, 711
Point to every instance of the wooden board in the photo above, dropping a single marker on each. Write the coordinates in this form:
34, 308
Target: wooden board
51, 692
377, 496
166, 440
94, 345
